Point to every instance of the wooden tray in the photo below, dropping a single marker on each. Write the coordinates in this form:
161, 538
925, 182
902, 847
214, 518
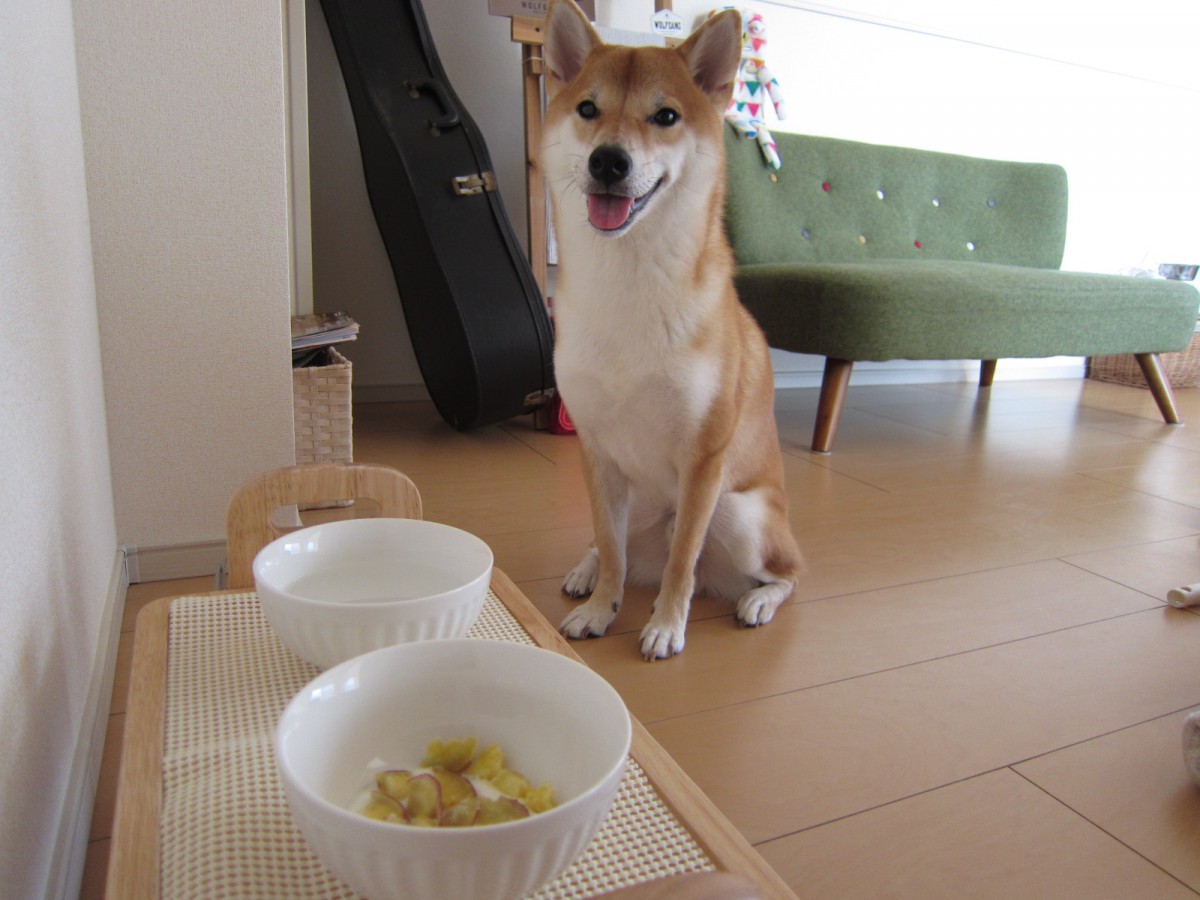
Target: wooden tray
199, 806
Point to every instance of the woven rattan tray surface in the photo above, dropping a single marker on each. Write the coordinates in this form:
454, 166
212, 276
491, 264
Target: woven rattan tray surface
198, 759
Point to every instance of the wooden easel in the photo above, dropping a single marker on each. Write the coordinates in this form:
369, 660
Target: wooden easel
529, 34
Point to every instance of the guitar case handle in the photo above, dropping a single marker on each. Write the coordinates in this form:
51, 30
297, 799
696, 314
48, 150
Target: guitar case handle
450, 114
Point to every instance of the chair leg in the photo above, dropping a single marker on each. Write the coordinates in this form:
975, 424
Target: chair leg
987, 372
1159, 386
829, 408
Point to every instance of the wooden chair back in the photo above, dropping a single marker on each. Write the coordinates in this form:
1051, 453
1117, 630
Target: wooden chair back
248, 521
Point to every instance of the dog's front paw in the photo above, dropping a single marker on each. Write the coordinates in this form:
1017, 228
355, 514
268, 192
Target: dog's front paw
581, 580
661, 641
589, 620
757, 607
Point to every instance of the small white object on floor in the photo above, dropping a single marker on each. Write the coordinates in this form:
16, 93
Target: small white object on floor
1191, 744
1183, 597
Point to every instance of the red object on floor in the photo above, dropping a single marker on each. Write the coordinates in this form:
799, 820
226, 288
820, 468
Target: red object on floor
560, 421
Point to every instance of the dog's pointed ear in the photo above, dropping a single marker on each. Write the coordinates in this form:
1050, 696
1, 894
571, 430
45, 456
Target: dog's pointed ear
713, 54
569, 38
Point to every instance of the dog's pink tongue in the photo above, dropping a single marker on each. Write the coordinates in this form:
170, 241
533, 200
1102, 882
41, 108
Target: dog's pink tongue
608, 211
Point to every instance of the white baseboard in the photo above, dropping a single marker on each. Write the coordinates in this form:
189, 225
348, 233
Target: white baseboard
795, 370
75, 823
174, 561
1035, 369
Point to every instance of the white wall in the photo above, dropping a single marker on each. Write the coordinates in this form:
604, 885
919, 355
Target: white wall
185, 118
58, 542
145, 289
1101, 93
1108, 93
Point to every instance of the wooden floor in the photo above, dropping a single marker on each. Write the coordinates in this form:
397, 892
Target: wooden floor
978, 689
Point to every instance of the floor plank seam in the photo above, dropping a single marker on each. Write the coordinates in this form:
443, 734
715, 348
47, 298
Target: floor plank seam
908, 665
1134, 850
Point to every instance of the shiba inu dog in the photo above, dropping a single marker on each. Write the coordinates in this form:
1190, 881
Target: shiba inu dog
665, 374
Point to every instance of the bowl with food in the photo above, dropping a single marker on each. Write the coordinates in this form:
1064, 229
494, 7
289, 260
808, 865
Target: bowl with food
339, 589
452, 768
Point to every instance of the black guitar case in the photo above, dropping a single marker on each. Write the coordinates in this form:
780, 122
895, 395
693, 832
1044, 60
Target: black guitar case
479, 327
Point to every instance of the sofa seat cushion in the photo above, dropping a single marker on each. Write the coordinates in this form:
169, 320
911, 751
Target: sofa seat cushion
946, 309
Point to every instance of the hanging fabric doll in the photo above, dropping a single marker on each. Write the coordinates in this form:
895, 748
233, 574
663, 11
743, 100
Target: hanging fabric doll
755, 87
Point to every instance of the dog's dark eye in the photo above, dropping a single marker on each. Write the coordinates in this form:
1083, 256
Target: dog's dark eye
587, 110
665, 117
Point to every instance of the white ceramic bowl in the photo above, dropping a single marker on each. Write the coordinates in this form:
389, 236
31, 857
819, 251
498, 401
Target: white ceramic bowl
556, 720
336, 590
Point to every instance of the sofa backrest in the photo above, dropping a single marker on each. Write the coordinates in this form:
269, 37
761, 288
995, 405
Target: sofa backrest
843, 201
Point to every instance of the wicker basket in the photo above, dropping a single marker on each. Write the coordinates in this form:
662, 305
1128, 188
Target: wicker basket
1182, 369
321, 401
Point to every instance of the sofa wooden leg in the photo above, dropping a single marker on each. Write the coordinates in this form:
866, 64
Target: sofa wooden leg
829, 408
1159, 386
987, 372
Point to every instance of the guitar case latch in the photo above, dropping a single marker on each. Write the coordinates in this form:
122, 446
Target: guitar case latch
469, 185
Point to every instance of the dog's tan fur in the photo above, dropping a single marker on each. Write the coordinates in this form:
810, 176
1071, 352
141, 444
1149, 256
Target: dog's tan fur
665, 374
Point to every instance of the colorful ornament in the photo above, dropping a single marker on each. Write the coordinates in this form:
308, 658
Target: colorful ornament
755, 88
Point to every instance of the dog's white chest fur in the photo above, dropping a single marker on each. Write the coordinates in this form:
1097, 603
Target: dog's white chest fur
632, 387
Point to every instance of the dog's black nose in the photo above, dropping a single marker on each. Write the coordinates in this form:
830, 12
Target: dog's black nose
609, 164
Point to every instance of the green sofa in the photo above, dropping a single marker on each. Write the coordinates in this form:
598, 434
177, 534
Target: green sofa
856, 251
